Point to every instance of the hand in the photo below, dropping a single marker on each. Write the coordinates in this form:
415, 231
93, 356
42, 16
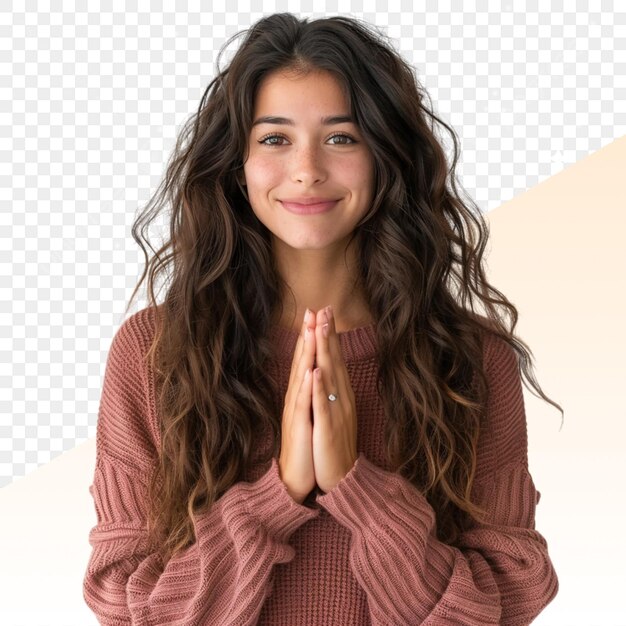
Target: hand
296, 453
334, 423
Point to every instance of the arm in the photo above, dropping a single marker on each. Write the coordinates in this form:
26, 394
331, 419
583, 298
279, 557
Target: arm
498, 572
222, 578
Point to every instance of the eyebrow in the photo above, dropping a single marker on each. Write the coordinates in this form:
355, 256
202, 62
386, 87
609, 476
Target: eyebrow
326, 121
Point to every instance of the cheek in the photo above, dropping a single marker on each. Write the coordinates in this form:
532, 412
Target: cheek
260, 173
360, 175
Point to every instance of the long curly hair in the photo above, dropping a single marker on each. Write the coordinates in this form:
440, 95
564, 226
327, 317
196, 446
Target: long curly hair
420, 251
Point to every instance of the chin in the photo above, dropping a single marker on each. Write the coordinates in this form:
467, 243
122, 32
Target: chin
306, 241
317, 242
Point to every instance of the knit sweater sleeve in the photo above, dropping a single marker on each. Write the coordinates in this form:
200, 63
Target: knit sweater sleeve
498, 572
226, 574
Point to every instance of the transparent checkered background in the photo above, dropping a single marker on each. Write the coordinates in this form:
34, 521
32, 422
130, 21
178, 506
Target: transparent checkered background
92, 103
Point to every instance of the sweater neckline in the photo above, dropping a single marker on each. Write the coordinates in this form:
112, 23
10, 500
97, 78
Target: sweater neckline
357, 344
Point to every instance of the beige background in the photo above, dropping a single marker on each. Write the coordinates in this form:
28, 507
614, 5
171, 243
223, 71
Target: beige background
558, 254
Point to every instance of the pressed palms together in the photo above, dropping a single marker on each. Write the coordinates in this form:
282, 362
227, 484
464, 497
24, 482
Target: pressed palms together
321, 451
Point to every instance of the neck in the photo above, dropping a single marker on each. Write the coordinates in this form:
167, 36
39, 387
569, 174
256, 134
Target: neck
317, 278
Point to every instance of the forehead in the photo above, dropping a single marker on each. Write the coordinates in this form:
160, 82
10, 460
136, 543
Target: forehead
288, 89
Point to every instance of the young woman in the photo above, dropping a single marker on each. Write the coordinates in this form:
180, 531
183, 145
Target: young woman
316, 426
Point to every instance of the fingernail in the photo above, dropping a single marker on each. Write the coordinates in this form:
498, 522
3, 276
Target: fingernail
325, 329
329, 311
306, 315
307, 373
318, 373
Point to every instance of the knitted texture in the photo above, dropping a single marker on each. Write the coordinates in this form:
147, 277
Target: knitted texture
365, 553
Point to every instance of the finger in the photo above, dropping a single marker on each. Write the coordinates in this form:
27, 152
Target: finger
297, 376
321, 408
303, 399
306, 321
309, 322
336, 363
323, 358
347, 398
334, 345
297, 352
301, 346
307, 358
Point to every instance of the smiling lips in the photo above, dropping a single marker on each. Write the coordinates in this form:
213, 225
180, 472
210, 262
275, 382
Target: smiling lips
308, 206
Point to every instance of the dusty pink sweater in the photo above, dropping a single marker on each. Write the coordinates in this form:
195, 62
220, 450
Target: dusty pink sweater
366, 553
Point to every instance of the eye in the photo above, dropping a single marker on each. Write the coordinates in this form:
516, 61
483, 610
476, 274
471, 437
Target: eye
351, 140
266, 140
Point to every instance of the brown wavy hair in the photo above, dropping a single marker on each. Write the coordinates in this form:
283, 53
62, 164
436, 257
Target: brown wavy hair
420, 262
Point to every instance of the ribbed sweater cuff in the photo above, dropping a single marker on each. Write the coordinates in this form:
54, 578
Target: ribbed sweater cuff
268, 501
363, 497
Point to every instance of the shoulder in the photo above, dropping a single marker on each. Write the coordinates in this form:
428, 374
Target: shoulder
135, 335
127, 423
499, 357
504, 430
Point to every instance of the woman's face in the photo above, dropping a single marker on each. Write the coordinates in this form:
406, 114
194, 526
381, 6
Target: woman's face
303, 157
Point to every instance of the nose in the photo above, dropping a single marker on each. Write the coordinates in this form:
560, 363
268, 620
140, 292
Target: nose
307, 165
